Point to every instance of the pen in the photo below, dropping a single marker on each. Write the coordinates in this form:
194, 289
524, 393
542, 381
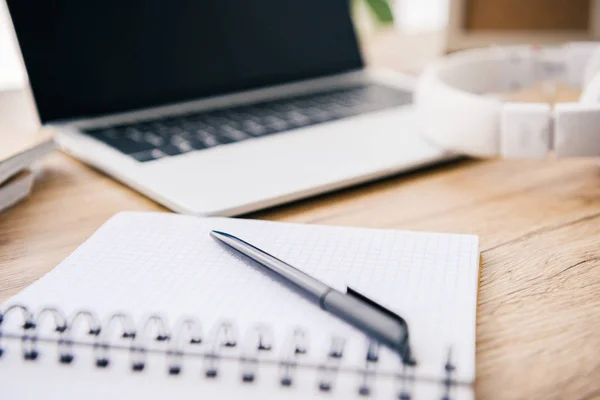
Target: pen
380, 324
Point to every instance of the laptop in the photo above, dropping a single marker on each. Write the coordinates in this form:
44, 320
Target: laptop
218, 107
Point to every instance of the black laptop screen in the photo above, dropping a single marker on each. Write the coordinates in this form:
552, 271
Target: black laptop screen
90, 58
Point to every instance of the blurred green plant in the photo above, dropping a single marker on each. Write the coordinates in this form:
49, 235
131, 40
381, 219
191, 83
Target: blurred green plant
382, 11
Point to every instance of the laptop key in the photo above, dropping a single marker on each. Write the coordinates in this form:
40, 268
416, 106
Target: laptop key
297, 119
148, 155
223, 139
184, 146
277, 124
170, 150
196, 144
154, 139
254, 128
201, 133
210, 141
233, 134
205, 143
316, 114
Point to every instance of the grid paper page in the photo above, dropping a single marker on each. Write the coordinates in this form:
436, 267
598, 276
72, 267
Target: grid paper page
167, 263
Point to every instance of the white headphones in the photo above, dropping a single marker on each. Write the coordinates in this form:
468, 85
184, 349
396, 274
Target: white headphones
455, 114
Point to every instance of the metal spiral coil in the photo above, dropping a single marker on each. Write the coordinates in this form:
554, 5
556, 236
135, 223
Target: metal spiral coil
183, 341
259, 340
297, 346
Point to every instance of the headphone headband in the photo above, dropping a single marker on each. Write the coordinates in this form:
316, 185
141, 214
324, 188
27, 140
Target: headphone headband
455, 112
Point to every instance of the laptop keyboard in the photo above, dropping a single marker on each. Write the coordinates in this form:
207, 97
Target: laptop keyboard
173, 135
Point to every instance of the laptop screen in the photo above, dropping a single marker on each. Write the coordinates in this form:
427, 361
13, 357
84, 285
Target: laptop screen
88, 58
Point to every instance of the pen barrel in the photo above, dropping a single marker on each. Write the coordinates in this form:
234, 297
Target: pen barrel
379, 326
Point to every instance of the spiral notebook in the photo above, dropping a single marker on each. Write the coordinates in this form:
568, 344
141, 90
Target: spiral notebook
151, 307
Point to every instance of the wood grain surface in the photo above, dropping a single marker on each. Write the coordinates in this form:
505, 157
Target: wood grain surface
538, 315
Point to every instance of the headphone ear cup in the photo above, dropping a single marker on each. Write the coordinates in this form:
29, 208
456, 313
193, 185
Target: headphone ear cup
591, 91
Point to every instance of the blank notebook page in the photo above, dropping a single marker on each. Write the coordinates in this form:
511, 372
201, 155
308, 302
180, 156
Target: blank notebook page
167, 263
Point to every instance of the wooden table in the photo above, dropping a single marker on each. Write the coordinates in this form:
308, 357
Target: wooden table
538, 315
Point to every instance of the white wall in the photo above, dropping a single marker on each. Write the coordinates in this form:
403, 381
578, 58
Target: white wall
418, 16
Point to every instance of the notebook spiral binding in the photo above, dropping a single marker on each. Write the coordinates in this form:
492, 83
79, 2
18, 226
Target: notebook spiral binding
181, 341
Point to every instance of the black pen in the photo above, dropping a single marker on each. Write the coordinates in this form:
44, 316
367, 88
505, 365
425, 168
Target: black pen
380, 324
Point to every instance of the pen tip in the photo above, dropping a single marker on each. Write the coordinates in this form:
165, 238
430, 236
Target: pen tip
217, 234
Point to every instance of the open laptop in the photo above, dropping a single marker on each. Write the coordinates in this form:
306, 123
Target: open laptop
217, 107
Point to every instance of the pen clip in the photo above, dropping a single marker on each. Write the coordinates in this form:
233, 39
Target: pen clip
405, 352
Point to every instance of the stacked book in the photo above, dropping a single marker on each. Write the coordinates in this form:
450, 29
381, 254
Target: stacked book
16, 160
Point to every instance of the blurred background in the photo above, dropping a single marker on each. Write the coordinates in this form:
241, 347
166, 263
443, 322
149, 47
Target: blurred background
406, 34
